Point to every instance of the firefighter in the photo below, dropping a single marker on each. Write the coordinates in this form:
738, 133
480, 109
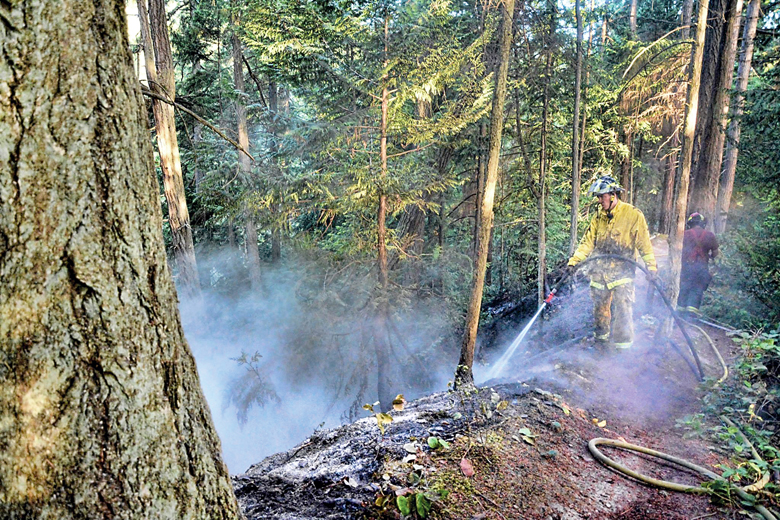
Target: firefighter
618, 228
699, 246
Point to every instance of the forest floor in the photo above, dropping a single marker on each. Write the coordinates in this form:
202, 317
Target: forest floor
515, 448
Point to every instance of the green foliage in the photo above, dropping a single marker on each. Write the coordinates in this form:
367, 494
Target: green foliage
751, 400
250, 389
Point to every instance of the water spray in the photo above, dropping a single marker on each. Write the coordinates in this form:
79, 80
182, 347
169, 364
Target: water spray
504, 359
502, 362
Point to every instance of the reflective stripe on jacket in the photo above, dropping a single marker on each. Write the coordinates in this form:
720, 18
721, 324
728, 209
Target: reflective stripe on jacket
624, 234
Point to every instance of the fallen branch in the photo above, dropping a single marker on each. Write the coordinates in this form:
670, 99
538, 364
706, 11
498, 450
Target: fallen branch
216, 130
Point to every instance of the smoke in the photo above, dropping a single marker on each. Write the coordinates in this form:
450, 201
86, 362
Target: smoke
645, 384
276, 364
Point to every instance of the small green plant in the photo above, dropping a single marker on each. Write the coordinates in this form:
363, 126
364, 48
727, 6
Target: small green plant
418, 503
436, 443
382, 419
693, 425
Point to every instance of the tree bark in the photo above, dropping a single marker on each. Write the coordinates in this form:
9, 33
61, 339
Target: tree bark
273, 108
464, 375
632, 18
686, 155
575, 138
585, 91
160, 75
687, 16
101, 411
705, 188
381, 342
541, 272
743, 74
244, 163
252, 253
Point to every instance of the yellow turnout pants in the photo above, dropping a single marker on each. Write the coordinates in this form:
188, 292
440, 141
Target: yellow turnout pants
613, 311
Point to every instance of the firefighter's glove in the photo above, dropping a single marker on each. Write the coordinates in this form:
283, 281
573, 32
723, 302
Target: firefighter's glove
571, 270
652, 276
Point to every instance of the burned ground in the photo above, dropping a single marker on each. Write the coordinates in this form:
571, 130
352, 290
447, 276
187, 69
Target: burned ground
513, 450
516, 448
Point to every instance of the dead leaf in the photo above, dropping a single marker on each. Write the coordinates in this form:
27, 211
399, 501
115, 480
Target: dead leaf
351, 482
410, 447
399, 402
466, 467
601, 424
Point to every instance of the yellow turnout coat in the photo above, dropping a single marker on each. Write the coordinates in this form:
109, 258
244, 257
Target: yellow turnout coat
624, 234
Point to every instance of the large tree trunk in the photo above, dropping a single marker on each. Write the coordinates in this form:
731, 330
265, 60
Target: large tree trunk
245, 165
687, 15
101, 411
584, 103
381, 339
464, 375
252, 253
160, 75
717, 66
705, 189
541, 271
575, 137
273, 108
743, 74
686, 155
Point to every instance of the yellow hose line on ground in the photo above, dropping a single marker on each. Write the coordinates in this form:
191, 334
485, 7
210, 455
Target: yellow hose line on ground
674, 486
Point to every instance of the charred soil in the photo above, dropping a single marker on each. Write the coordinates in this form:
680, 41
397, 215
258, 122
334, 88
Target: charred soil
515, 448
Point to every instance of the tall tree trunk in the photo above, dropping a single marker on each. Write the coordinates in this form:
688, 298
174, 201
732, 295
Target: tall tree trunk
244, 163
575, 137
541, 272
480, 186
585, 91
687, 16
743, 74
101, 411
464, 375
381, 343
197, 139
252, 253
160, 75
686, 155
273, 108
705, 196
632, 18
706, 121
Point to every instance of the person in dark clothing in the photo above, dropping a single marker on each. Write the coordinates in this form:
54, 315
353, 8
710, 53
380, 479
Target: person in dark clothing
699, 246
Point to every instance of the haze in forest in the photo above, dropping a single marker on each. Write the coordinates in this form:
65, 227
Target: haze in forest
314, 371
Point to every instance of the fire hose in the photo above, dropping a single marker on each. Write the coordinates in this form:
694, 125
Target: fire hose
742, 493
